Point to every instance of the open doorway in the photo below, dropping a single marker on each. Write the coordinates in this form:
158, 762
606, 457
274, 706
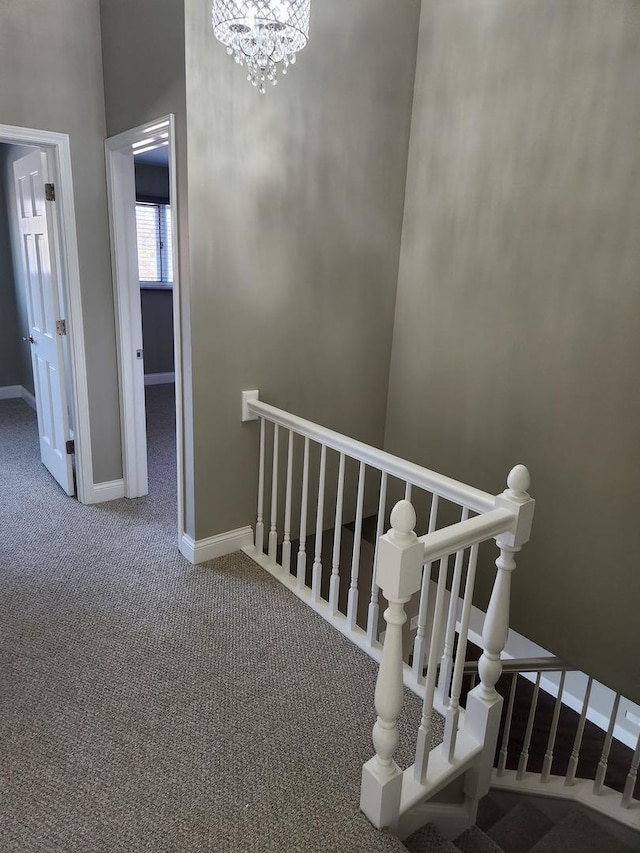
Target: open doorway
141, 181
43, 342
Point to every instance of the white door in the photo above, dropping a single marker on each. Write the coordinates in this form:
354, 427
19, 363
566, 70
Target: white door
44, 309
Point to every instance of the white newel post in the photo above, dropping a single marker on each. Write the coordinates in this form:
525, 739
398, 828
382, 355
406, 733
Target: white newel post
398, 575
484, 704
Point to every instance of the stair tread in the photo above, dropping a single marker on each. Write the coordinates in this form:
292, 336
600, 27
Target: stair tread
576, 831
474, 840
489, 813
429, 839
520, 828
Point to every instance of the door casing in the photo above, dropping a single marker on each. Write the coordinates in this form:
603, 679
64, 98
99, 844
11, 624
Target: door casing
126, 287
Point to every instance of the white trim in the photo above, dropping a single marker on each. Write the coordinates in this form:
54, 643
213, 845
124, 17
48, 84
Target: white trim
30, 400
159, 378
128, 314
58, 148
10, 392
215, 546
120, 186
18, 392
112, 490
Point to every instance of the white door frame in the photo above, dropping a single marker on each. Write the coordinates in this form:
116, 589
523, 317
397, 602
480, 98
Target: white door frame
58, 151
126, 288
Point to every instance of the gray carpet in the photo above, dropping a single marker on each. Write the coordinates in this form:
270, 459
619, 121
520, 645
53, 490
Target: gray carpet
150, 705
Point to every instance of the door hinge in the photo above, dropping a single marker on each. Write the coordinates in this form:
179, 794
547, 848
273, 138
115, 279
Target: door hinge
70, 446
61, 327
49, 192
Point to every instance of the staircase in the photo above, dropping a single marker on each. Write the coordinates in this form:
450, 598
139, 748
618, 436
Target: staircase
523, 828
369, 593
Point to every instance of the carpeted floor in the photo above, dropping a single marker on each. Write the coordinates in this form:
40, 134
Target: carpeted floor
150, 705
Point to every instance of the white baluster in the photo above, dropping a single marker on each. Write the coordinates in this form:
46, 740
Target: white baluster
260, 519
453, 711
630, 784
420, 642
273, 533
372, 615
484, 705
316, 579
286, 544
423, 744
302, 553
398, 575
407, 491
352, 603
601, 772
496, 625
334, 582
575, 752
524, 755
446, 662
502, 759
548, 756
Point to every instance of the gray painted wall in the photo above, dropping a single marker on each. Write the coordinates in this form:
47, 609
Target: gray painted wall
295, 213
152, 184
15, 322
54, 49
517, 333
143, 51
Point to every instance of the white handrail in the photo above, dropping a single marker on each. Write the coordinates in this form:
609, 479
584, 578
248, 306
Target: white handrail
423, 478
458, 536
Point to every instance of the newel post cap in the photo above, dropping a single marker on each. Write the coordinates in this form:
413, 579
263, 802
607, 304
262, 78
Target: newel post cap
517, 499
400, 555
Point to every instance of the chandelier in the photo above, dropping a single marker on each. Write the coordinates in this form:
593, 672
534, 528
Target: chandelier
262, 34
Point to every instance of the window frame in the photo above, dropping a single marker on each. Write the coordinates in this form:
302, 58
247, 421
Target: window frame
149, 201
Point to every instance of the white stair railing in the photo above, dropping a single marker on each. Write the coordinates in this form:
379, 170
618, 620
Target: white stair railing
587, 786
401, 568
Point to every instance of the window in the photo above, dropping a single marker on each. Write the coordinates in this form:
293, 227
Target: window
155, 255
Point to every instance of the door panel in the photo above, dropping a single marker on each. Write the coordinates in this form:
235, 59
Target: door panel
43, 305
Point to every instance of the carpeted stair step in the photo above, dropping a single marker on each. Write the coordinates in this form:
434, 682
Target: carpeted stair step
577, 832
428, 839
489, 813
520, 828
474, 840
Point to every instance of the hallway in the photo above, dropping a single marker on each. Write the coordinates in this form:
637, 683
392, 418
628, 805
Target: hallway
152, 705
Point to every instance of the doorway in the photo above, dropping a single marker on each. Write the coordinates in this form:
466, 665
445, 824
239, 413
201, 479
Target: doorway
162, 273
44, 189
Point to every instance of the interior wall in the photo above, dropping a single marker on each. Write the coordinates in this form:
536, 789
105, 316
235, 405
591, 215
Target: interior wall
52, 80
143, 52
517, 333
152, 184
295, 213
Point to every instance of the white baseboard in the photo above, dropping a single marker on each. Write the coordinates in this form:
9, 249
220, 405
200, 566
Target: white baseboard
159, 378
112, 490
28, 397
10, 392
600, 700
17, 392
215, 546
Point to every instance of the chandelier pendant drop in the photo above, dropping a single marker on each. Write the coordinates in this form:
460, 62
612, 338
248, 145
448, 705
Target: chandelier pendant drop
262, 35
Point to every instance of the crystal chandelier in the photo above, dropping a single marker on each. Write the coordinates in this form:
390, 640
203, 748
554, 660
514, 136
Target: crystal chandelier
262, 34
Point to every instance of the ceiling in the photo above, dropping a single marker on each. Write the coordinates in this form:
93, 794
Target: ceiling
157, 157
